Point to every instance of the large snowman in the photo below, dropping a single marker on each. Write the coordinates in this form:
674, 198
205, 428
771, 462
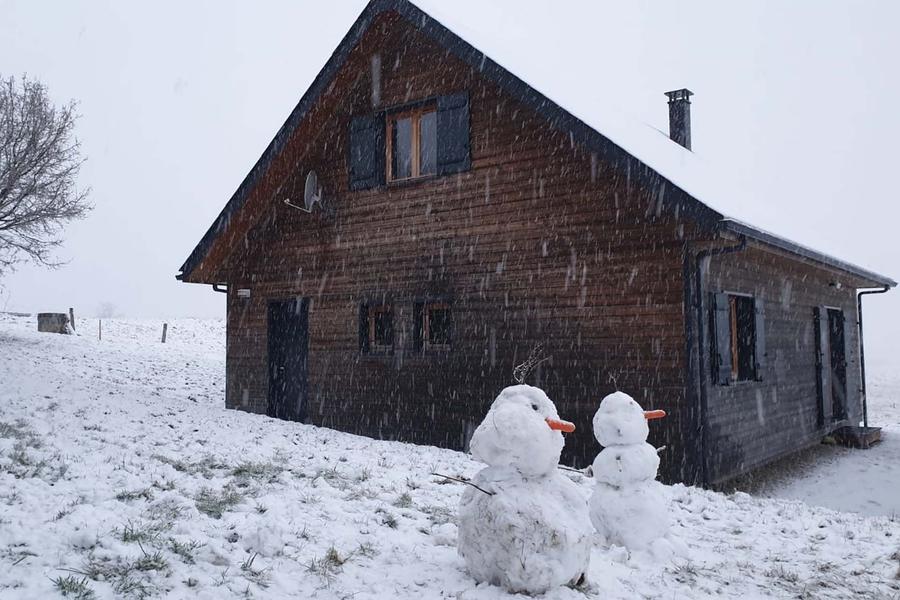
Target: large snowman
628, 506
527, 529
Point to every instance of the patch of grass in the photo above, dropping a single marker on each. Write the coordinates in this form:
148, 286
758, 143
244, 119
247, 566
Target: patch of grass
215, 503
22, 465
139, 532
72, 587
366, 549
206, 466
68, 508
129, 495
166, 485
388, 519
261, 508
403, 501
780, 573
438, 515
152, 562
185, 550
260, 577
329, 566
21, 431
165, 512
257, 470
686, 572
93, 428
124, 578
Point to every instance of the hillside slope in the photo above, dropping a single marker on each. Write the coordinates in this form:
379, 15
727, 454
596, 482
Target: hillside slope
122, 475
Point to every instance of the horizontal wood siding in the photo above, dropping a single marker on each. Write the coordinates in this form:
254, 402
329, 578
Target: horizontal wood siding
537, 243
752, 423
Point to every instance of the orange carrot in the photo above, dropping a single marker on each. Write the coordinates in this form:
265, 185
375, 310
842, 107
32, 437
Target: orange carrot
558, 425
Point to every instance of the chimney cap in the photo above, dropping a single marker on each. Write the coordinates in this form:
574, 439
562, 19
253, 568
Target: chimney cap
683, 94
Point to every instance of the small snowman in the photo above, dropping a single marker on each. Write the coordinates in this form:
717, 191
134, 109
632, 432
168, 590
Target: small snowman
525, 527
628, 506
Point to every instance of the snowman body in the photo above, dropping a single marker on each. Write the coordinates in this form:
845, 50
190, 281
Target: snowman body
529, 530
628, 506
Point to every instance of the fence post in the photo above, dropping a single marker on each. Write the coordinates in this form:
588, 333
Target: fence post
99, 329
72, 317
165, 326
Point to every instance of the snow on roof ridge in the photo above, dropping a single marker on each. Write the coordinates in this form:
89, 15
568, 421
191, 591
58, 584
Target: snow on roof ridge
682, 167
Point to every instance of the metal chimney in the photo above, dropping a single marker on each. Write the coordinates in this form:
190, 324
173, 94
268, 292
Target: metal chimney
680, 116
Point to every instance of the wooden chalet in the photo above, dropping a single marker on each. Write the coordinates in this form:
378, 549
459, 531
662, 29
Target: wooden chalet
464, 218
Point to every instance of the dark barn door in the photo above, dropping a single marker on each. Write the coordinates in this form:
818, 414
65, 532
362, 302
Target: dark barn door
288, 358
831, 365
838, 364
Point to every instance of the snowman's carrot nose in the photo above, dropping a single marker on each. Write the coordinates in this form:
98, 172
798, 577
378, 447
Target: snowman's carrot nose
558, 425
654, 414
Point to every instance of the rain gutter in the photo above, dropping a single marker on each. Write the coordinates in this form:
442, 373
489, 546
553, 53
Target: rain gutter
862, 352
704, 415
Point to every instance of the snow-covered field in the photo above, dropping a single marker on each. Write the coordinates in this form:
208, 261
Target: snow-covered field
121, 475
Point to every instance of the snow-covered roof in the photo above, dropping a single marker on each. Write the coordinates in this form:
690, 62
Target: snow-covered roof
585, 116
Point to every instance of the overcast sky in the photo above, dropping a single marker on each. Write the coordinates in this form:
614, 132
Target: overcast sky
796, 103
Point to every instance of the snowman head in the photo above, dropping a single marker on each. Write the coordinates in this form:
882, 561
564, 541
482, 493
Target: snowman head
522, 430
620, 421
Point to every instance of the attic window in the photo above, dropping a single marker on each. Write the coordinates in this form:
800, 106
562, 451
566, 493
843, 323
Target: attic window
412, 143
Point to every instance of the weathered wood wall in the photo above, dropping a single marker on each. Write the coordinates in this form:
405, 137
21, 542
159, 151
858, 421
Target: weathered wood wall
537, 243
754, 422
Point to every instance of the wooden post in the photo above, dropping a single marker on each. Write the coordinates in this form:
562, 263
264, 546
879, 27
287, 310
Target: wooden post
100, 329
165, 326
72, 317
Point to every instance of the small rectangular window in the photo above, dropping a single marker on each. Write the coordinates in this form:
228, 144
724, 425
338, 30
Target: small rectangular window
437, 323
412, 143
377, 330
743, 336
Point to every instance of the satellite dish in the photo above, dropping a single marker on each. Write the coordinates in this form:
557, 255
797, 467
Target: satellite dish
312, 193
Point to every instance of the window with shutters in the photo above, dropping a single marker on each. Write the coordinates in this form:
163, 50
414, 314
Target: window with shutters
376, 328
738, 340
433, 325
436, 325
412, 143
417, 142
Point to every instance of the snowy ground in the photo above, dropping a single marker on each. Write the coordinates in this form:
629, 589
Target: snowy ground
861, 481
122, 475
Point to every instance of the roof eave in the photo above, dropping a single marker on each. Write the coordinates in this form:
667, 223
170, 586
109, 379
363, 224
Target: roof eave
769, 239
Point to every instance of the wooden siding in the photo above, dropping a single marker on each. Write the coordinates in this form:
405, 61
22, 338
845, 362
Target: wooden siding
537, 243
754, 422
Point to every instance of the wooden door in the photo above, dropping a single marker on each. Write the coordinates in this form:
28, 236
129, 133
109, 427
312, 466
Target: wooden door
288, 345
823, 366
838, 363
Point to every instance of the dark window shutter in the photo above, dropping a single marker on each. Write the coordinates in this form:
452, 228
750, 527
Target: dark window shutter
366, 145
453, 152
364, 328
722, 333
823, 365
390, 328
759, 339
418, 326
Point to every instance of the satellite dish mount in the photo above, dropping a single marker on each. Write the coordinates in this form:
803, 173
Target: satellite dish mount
312, 194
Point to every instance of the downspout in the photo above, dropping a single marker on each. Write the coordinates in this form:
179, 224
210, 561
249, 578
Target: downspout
862, 353
218, 287
702, 367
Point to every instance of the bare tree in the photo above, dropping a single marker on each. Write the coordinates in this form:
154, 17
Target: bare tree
39, 162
